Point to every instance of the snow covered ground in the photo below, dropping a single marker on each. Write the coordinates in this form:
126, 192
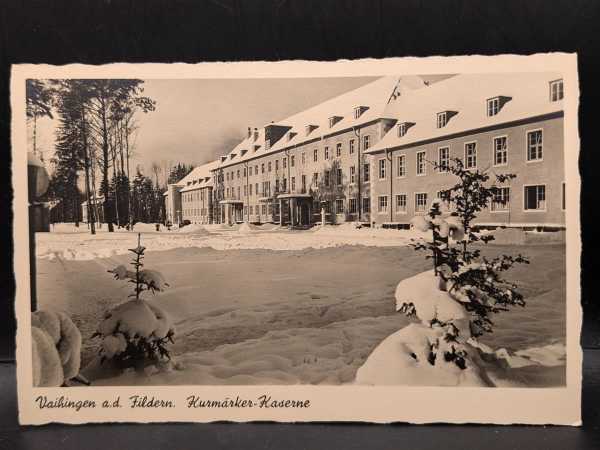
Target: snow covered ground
71, 243
312, 314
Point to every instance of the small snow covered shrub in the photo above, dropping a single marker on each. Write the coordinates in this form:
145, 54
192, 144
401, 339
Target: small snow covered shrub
473, 281
136, 333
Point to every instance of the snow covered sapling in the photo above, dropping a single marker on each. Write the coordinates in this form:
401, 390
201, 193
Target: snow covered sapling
135, 333
472, 280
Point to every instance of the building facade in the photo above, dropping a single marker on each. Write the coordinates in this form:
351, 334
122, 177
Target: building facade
376, 155
509, 124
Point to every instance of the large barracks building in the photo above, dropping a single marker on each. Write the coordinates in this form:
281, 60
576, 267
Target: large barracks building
376, 155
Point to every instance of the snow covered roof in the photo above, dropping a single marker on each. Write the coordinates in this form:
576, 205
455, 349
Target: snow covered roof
464, 99
353, 108
199, 177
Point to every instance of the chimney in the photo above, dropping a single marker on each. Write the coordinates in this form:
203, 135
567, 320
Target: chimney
249, 132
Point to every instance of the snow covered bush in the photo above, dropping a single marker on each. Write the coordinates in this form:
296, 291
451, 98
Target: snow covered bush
473, 281
136, 333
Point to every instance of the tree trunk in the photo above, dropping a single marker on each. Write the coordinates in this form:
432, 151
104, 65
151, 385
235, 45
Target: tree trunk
86, 156
108, 213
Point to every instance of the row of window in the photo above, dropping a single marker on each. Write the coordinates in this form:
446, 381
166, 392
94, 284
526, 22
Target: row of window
268, 167
191, 196
339, 207
534, 199
499, 148
195, 212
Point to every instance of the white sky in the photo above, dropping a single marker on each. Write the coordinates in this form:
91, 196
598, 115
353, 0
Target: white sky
196, 121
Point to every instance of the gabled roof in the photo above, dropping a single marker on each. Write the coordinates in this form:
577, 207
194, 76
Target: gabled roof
373, 99
199, 177
524, 95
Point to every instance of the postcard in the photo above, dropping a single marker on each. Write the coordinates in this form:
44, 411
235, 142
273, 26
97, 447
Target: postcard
392, 240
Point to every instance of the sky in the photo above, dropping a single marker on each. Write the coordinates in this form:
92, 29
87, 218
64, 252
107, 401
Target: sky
196, 121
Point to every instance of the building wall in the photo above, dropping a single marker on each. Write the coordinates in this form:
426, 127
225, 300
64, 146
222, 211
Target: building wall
240, 181
549, 172
196, 205
173, 204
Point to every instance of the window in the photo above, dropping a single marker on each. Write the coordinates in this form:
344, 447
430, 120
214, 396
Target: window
401, 164
262, 167
303, 183
534, 197
315, 178
381, 169
366, 172
293, 183
501, 199
352, 174
420, 201
443, 159
442, 119
303, 158
238, 193
401, 129
564, 197
351, 149
250, 187
264, 210
326, 179
470, 155
245, 172
256, 169
357, 112
401, 203
284, 162
227, 176
315, 155
339, 206
238, 173
338, 149
382, 204
326, 152
366, 205
366, 142
352, 206
292, 161
534, 145
500, 152
420, 163
556, 90
493, 106
331, 122
284, 184
339, 176
245, 191
251, 209
250, 171
276, 165
276, 185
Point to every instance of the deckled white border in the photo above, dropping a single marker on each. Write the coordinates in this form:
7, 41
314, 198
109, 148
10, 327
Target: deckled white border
329, 403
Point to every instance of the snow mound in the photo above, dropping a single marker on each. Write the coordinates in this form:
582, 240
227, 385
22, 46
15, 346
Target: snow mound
194, 229
549, 355
403, 359
245, 228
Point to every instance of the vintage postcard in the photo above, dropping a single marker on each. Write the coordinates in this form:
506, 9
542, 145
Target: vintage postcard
389, 240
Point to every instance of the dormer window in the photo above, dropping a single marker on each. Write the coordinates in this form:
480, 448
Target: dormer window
243, 152
358, 110
333, 120
442, 119
255, 134
256, 147
291, 135
493, 106
556, 90
401, 129
231, 156
310, 128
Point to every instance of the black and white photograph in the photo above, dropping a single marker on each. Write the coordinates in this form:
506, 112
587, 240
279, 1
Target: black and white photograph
365, 230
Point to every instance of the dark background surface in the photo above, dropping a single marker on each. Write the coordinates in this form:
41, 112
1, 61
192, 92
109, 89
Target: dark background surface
103, 31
